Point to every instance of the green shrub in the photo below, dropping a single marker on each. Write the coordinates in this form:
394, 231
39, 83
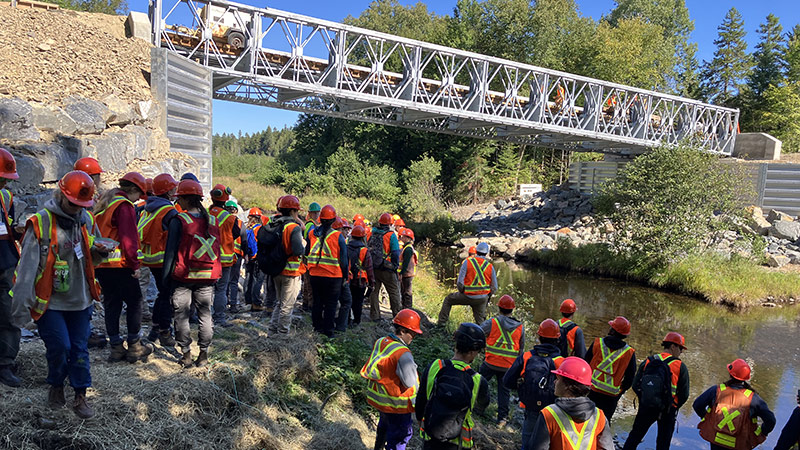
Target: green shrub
357, 178
443, 229
422, 199
309, 180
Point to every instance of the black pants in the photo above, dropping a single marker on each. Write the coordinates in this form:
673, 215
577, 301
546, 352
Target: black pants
326, 302
120, 287
606, 403
406, 292
358, 302
644, 420
162, 307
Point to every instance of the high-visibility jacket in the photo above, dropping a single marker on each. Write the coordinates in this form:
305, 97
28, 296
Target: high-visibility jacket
294, 267
45, 230
728, 422
675, 371
568, 329
6, 202
478, 280
237, 243
608, 368
502, 347
385, 390
566, 434
116, 259
465, 440
557, 360
323, 257
413, 263
198, 252
310, 224
153, 236
387, 248
225, 223
255, 229
361, 264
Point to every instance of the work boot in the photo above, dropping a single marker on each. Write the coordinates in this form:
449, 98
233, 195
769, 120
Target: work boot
97, 340
202, 359
139, 351
234, 309
118, 352
80, 406
55, 398
186, 360
8, 378
165, 339
256, 308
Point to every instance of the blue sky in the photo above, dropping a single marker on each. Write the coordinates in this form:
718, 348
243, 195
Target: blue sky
707, 14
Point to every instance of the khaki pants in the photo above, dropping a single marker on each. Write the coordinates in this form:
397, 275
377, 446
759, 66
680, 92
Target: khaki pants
388, 279
286, 289
457, 298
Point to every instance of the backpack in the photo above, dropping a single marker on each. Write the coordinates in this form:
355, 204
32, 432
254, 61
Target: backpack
563, 344
655, 384
271, 256
375, 246
539, 383
451, 398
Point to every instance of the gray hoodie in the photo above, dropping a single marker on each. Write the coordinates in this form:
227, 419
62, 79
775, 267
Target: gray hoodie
33, 257
580, 409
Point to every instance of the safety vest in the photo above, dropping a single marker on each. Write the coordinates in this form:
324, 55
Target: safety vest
608, 368
293, 266
116, 259
198, 252
237, 243
323, 258
568, 329
465, 440
728, 422
46, 234
675, 371
387, 247
307, 228
414, 260
6, 202
152, 236
361, 273
385, 391
502, 347
557, 360
566, 434
478, 280
225, 222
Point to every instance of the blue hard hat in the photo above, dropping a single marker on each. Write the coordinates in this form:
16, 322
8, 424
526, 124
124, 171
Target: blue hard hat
189, 176
482, 248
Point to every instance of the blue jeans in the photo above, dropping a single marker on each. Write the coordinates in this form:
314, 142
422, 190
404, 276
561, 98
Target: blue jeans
252, 284
233, 282
345, 301
221, 295
502, 391
66, 340
394, 430
528, 425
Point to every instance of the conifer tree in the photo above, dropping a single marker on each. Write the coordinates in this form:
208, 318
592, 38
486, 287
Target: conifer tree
791, 55
768, 58
722, 77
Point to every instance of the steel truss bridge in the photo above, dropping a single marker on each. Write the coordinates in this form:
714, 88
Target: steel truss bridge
279, 59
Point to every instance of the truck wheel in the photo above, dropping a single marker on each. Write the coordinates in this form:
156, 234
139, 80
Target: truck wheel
236, 39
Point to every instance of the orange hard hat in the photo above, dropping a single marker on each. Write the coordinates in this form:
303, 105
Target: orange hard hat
549, 329
190, 187
221, 193
358, 217
337, 224
163, 183
358, 231
399, 223
407, 232
328, 212
137, 179
621, 325
78, 187
568, 306
675, 338
408, 318
254, 212
385, 219
345, 223
88, 165
148, 183
289, 202
8, 165
506, 302
575, 369
472, 250
740, 370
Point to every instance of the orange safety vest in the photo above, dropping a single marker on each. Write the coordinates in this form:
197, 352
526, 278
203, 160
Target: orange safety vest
323, 258
152, 236
385, 391
478, 280
566, 434
675, 371
293, 266
116, 259
237, 243
608, 368
46, 234
728, 422
564, 323
225, 222
6, 202
557, 360
502, 347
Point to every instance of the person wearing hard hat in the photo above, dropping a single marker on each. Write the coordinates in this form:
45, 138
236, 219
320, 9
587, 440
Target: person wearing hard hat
92, 168
573, 417
505, 342
312, 220
228, 233
10, 233
362, 278
385, 249
287, 282
572, 342
730, 412
239, 250
477, 281
393, 381
328, 264
658, 375
472, 251
408, 267
254, 277
613, 364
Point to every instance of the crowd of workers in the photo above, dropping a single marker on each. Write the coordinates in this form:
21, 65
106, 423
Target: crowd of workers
85, 246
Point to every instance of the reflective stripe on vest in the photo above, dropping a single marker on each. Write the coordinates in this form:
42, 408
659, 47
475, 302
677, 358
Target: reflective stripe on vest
477, 280
293, 266
226, 241
152, 257
674, 369
505, 348
465, 440
104, 218
322, 260
383, 390
577, 440
413, 264
603, 374
728, 423
6, 201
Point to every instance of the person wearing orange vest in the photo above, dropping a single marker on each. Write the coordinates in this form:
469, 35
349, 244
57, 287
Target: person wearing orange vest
665, 415
312, 220
192, 265
57, 288
477, 281
9, 255
362, 278
572, 341
345, 296
529, 374
254, 277
153, 226
613, 364
326, 255
240, 248
730, 412
573, 422
228, 233
118, 274
408, 267
790, 434
385, 268
505, 342
287, 283
393, 381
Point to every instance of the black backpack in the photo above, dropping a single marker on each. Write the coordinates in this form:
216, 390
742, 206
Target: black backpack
655, 385
272, 256
451, 398
538, 383
375, 246
563, 344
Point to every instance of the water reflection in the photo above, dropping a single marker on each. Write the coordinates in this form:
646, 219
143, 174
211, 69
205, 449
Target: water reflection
768, 338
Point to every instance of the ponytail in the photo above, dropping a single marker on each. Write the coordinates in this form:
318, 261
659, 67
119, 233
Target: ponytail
196, 201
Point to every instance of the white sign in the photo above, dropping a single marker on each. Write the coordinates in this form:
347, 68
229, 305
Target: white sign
529, 189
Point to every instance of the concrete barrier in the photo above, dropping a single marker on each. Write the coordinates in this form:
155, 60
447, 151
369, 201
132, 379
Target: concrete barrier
757, 146
138, 25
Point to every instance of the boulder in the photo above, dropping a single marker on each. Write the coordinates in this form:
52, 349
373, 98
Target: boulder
16, 120
777, 260
53, 119
469, 241
56, 159
785, 230
121, 112
90, 116
115, 150
31, 173
775, 215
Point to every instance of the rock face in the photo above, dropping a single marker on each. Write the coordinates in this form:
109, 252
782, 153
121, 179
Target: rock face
16, 120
